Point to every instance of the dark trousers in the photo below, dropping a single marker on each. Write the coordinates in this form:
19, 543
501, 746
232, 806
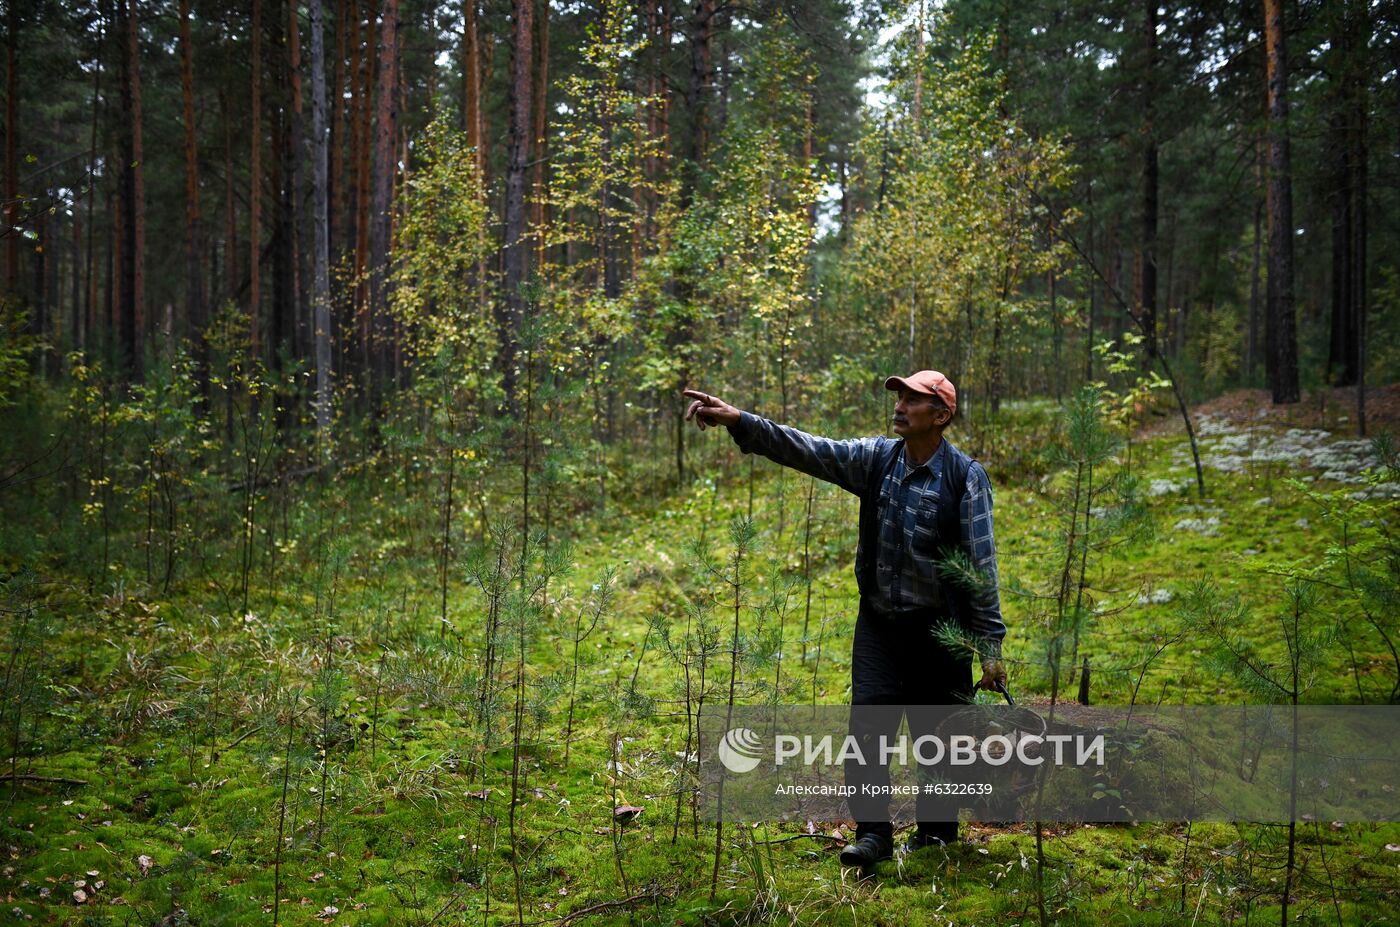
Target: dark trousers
896, 666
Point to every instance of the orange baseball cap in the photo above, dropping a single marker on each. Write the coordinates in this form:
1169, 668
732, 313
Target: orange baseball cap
929, 382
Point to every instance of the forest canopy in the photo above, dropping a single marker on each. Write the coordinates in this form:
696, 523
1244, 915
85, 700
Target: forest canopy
994, 187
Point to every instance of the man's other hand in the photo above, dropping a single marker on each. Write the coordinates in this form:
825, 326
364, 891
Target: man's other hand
708, 410
993, 676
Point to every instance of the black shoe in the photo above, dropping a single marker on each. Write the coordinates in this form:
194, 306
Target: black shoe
867, 851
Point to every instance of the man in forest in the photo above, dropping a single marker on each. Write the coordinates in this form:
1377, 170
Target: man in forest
925, 507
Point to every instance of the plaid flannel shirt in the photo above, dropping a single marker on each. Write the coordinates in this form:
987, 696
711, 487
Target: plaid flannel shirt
906, 563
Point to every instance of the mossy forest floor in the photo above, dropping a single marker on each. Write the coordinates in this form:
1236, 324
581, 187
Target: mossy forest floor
319, 756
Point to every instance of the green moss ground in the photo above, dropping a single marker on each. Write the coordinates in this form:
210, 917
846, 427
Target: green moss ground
174, 714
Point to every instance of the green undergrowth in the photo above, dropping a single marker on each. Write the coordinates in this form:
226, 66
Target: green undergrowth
159, 741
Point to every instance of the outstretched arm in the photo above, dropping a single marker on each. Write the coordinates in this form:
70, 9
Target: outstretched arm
844, 463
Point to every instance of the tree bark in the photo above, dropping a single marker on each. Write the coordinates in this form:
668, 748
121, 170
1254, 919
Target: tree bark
1341, 345
1092, 310
123, 284
230, 204
698, 89
664, 89
1281, 321
349, 229
255, 192
138, 195
1149, 183
335, 188
918, 72
38, 303
1251, 344
539, 126
512, 309
194, 296
362, 187
1347, 196
114, 339
90, 291
75, 327
282, 314
385, 170
300, 269
697, 98
320, 224
486, 49
658, 39
11, 162
471, 83
1360, 227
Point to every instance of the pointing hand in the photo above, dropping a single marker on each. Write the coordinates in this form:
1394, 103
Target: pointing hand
707, 410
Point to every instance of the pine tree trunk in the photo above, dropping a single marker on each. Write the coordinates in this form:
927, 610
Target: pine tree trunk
539, 125
300, 253
335, 188
809, 151
471, 83
350, 184
320, 225
1091, 312
657, 29
11, 161
919, 72
114, 344
86, 340
138, 194
362, 182
1360, 187
512, 309
609, 260
1251, 344
472, 116
1281, 320
230, 288
123, 286
1341, 345
1347, 196
282, 316
385, 171
194, 284
38, 320
400, 178
76, 331
697, 102
664, 90
1149, 184
698, 89
255, 191
486, 49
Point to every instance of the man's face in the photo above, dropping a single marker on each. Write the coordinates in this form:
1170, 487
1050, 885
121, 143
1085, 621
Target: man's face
917, 415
